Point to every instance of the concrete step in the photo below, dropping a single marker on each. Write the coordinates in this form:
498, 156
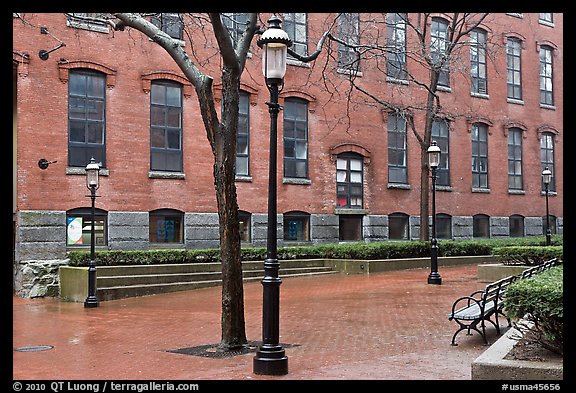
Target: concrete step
111, 287
130, 270
167, 278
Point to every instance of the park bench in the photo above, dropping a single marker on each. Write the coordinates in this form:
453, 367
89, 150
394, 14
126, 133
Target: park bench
480, 306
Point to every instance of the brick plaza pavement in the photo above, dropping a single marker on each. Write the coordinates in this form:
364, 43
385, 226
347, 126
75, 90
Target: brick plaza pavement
382, 326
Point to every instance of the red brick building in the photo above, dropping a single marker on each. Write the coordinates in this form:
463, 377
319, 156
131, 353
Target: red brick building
348, 170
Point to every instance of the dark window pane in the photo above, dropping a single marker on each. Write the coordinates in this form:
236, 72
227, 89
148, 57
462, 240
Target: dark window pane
157, 116
77, 132
157, 94
158, 138
95, 133
173, 139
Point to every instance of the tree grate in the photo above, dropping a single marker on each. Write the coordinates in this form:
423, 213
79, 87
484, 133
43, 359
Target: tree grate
34, 348
213, 351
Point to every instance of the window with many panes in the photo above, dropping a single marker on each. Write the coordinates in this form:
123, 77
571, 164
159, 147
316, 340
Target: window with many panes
95, 21
79, 227
295, 138
86, 117
236, 24
515, 181
479, 155
438, 47
516, 223
547, 158
440, 135
349, 32
478, 76
296, 226
169, 23
481, 226
165, 126
514, 68
243, 136
349, 181
296, 25
398, 226
546, 75
397, 150
396, 42
166, 226
546, 17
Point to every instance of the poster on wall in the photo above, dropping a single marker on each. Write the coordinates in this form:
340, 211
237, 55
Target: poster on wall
74, 231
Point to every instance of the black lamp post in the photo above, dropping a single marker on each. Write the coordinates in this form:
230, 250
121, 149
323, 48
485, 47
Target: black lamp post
546, 178
433, 162
92, 182
270, 358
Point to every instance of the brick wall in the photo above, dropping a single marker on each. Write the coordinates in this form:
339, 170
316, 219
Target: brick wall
42, 128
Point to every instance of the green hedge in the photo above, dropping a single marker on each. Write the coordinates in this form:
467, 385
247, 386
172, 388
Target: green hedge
528, 255
374, 250
539, 300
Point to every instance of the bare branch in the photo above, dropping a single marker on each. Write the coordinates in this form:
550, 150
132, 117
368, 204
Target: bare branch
224, 41
194, 75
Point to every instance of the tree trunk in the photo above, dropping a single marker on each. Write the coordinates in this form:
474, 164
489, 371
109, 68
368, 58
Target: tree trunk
222, 137
424, 179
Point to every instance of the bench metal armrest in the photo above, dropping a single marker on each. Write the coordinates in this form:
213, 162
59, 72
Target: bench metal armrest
468, 300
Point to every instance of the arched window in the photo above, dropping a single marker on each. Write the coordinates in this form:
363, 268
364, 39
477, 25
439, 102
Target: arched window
295, 138
547, 158
546, 75
480, 156
481, 226
515, 180
516, 225
166, 226
396, 41
245, 220
349, 181
297, 226
398, 226
438, 47
86, 117
514, 68
443, 226
165, 126
79, 226
552, 224
243, 136
478, 60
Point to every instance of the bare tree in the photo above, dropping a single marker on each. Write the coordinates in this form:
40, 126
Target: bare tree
433, 57
221, 133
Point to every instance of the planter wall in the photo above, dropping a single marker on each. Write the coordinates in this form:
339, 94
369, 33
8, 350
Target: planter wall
491, 272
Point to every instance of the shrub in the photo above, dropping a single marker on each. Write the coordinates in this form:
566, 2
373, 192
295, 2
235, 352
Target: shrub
528, 255
539, 300
372, 250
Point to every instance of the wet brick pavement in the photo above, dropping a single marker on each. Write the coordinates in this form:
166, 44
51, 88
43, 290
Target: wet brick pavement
382, 326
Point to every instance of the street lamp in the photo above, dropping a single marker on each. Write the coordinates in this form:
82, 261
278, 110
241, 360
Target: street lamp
92, 182
270, 358
546, 178
433, 162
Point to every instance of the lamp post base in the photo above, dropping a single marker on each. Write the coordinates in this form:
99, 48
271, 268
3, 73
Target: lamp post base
91, 302
270, 361
434, 278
